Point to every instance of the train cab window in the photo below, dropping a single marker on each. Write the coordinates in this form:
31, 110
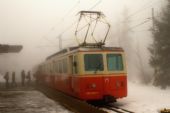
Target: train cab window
93, 62
114, 62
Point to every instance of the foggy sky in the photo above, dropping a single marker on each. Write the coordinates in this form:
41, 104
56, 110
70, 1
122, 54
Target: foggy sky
36, 24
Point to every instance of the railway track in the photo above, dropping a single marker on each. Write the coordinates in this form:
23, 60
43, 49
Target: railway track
79, 106
117, 109
73, 104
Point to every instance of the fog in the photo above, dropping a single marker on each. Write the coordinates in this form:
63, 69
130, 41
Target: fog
37, 24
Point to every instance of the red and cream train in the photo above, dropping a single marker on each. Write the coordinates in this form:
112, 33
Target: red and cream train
86, 73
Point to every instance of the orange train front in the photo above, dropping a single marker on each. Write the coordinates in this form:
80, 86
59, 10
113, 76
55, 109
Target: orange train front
87, 73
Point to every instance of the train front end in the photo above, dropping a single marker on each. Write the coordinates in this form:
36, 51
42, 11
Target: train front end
102, 75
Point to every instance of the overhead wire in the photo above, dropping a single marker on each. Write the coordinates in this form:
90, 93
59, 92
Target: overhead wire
133, 20
77, 3
95, 5
144, 7
69, 27
49, 40
139, 24
69, 11
147, 5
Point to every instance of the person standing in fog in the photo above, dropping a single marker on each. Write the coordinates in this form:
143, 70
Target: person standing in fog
23, 78
28, 77
14, 84
6, 77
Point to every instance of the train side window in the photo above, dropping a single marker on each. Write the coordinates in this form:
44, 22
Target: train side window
60, 66
114, 62
53, 64
46, 69
43, 69
50, 68
56, 67
64, 65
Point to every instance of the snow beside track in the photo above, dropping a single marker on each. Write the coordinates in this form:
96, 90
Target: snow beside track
145, 99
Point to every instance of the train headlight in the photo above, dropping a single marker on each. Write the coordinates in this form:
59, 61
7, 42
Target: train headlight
93, 85
118, 84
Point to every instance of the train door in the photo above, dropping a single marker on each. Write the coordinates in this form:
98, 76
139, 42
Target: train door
73, 64
73, 69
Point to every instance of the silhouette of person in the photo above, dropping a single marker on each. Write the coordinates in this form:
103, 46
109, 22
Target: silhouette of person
23, 78
28, 77
6, 77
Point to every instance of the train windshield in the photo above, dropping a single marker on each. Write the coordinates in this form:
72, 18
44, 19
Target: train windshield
114, 62
93, 62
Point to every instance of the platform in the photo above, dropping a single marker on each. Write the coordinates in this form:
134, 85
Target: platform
27, 100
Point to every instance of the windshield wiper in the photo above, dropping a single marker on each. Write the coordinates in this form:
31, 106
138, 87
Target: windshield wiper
98, 67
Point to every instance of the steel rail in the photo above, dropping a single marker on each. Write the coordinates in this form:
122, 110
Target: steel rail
117, 109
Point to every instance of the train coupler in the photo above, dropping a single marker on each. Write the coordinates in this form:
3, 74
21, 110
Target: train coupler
109, 99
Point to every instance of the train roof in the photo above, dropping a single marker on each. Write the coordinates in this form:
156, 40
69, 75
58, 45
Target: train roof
79, 48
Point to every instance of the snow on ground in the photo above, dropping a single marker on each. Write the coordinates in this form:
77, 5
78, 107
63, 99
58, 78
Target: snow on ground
28, 102
145, 99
